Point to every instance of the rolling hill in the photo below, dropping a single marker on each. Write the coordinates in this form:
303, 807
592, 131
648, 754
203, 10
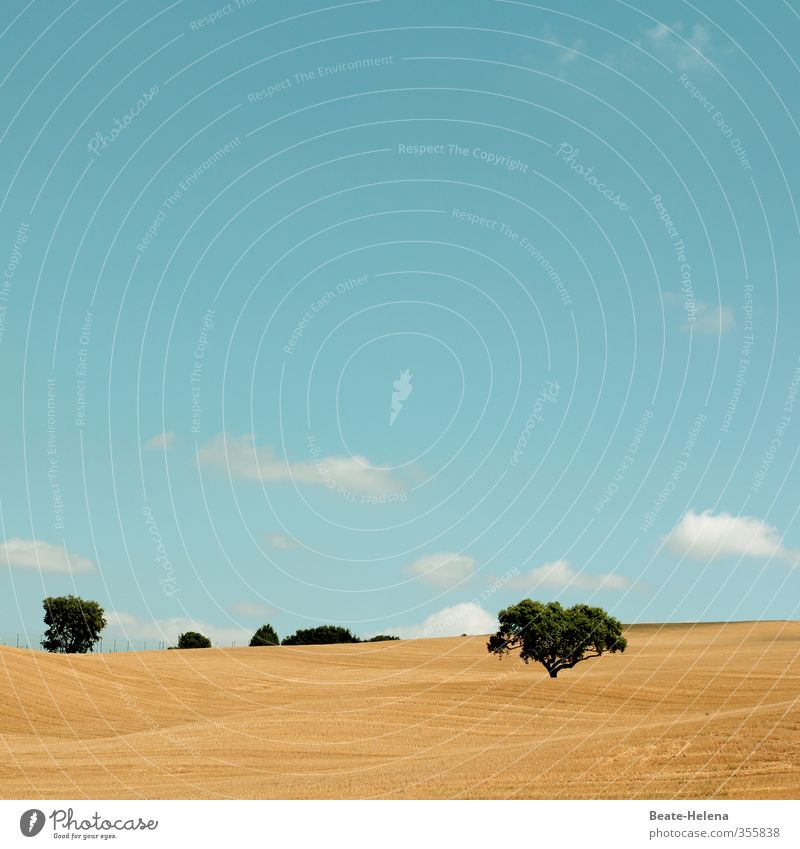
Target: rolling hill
689, 711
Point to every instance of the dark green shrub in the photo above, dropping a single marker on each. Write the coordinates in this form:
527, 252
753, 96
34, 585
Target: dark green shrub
320, 635
266, 635
193, 640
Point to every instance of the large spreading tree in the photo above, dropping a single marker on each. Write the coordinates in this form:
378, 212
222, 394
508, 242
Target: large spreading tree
73, 624
555, 636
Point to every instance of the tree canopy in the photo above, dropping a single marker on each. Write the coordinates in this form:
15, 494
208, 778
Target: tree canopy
320, 635
193, 640
555, 636
266, 635
73, 624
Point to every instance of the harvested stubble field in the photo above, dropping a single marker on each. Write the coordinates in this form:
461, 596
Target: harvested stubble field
703, 711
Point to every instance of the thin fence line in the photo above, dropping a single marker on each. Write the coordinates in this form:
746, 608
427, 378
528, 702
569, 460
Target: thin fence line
104, 646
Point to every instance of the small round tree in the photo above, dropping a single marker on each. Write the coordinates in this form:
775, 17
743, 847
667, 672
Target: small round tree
193, 640
73, 624
555, 636
266, 635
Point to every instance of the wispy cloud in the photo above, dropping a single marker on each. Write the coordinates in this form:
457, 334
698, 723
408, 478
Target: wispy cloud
466, 618
706, 318
711, 319
681, 47
279, 541
443, 570
242, 459
704, 536
559, 574
38, 555
566, 50
572, 51
251, 609
131, 627
160, 440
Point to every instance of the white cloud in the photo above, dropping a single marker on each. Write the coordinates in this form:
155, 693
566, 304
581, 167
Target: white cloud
571, 52
160, 440
559, 574
443, 570
703, 536
132, 628
241, 458
279, 541
686, 50
251, 609
35, 554
711, 319
465, 618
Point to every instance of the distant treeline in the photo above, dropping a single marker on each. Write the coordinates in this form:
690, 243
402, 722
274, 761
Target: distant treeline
266, 635
323, 634
74, 626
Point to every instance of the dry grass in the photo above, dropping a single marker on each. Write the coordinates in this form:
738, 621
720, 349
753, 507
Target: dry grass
689, 711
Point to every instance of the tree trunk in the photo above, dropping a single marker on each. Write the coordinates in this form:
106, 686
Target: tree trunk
553, 673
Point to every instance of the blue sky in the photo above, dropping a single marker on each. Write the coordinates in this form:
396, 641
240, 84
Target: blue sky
389, 313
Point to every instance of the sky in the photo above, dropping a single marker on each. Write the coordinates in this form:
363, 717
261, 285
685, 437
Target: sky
389, 314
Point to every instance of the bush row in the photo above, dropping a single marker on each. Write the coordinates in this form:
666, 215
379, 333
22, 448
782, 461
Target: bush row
266, 635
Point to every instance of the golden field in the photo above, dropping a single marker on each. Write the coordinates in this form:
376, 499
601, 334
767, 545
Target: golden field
694, 711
